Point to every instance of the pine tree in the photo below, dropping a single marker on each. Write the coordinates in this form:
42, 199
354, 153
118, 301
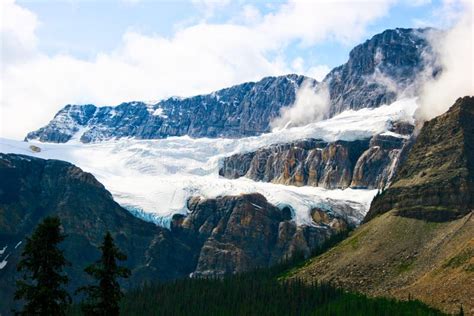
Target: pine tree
42, 281
103, 299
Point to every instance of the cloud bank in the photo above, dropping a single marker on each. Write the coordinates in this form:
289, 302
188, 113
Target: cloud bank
454, 50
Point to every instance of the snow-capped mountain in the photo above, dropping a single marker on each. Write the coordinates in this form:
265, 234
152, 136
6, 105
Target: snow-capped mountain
155, 178
382, 70
378, 72
242, 110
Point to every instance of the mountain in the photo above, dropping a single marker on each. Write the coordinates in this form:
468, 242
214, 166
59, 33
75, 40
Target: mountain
218, 236
417, 239
33, 188
242, 110
378, 72
381, 70
436, 182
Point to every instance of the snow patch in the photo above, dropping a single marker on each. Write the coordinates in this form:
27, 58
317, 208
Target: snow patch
4, 262
159, 112
257, 206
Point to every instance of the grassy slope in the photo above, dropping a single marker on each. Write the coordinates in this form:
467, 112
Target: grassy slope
402, 257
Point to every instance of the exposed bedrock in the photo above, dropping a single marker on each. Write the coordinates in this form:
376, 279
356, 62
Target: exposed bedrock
368, 163
244, 232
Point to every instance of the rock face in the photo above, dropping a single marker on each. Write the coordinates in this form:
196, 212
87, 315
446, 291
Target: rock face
436, 182
376, 166
218, 236
32, 188
241, 110
337, 165
417, 238
378, 71
245, 232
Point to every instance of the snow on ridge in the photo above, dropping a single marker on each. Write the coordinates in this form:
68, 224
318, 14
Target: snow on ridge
159, 112
156, 177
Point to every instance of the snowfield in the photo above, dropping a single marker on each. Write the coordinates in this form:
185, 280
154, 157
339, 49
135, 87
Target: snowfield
154, 178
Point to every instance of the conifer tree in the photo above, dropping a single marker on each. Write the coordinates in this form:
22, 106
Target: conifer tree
103, 299
41, 286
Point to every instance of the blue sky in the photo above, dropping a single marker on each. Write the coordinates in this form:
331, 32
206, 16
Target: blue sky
85, 28
106, 52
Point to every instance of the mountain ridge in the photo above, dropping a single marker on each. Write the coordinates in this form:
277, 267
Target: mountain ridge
378, 71
241, 110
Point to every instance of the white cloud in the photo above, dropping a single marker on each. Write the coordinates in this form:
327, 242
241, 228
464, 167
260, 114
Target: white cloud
209, 7
251, 14
318, 72
196, 59
17, 32
311, 105
455, 51
418, 3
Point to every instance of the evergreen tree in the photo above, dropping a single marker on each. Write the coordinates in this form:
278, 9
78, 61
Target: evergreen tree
103, 299
42, 281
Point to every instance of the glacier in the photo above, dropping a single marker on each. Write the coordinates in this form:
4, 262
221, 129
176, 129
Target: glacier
153, 179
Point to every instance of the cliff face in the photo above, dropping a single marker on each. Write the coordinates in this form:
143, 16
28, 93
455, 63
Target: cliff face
223, 235
240, 233
365, 164
417, 238
436, 180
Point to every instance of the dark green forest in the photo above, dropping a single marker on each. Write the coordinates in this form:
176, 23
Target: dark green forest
259, 292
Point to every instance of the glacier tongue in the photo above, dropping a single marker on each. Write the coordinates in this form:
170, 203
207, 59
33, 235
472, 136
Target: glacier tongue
156, 177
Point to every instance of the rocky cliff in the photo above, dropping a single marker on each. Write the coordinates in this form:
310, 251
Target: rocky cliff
368, 164
381, 70
218, 236
245, 232
436, 182
417, 239
378, 72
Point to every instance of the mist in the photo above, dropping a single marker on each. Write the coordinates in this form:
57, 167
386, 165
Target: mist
454, 50
311, 105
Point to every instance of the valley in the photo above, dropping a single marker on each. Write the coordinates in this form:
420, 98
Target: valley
218, 189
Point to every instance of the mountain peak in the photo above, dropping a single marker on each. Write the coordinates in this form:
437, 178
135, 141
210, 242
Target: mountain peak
380, 70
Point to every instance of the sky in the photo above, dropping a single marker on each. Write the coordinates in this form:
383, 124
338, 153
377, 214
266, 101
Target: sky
106, 52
